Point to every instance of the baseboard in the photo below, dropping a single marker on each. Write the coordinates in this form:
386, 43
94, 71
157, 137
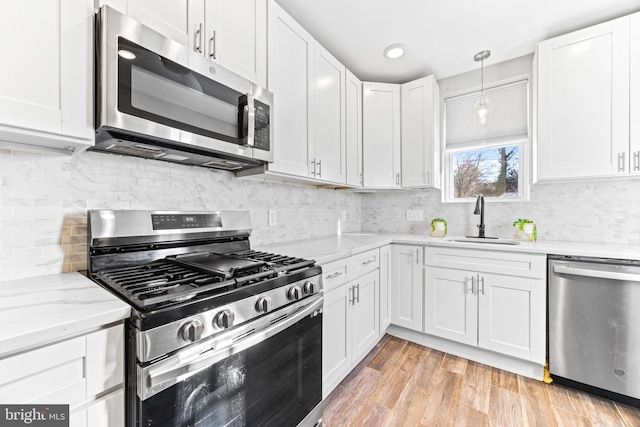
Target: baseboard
517, 366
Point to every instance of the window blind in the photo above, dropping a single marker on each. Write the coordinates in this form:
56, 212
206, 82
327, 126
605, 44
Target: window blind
509, 111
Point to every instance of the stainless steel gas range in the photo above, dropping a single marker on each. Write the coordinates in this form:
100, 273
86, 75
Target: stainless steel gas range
219, 334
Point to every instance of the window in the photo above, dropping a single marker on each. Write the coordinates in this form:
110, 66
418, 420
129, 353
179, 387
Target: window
487, 159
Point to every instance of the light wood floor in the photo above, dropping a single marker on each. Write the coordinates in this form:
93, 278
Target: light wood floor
404, 384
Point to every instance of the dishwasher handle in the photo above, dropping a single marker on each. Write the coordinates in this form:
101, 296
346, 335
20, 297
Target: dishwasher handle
600, 274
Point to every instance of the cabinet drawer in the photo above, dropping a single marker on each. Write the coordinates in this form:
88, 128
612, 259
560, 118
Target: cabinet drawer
334, 274
68, 372
363, 263
514, 264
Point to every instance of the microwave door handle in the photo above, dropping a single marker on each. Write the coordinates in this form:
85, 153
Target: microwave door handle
251, 120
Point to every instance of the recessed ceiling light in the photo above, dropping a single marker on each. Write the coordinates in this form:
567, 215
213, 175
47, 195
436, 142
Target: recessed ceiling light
394, 51
126, 54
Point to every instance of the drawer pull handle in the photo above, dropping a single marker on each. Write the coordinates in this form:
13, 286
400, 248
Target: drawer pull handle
334, 275
368, 262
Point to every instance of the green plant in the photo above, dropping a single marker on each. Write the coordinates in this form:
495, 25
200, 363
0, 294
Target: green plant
433, 224
520, 224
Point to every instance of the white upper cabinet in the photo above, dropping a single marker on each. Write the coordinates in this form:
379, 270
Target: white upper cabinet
353, 120
46, 96
421, 133
634, 91
236, 36
229, 32
328, 142
381, 134
308, 84
583, 103
290, 65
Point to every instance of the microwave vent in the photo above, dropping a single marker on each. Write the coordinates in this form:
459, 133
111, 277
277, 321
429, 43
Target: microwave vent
229, 165
137, 150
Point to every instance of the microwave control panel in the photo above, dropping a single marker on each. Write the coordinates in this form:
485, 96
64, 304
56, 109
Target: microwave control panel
262, 130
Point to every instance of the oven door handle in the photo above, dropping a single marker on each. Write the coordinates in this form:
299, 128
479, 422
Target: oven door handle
174, 370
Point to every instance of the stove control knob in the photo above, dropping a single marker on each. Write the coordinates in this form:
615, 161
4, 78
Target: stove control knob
224, 319
263, 304
294, 293
192, 331
309, 288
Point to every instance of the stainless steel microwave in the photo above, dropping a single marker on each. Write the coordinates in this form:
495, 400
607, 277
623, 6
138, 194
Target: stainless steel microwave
157, 99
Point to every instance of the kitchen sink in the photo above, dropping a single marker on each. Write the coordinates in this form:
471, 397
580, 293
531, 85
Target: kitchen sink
484, 240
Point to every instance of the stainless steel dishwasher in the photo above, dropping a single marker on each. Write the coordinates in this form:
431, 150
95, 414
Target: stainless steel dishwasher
594, 325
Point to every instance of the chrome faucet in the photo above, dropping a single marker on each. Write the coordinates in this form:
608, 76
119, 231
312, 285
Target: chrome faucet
479, 210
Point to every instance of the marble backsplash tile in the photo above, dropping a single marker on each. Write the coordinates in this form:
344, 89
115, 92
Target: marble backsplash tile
603, 211
44, 199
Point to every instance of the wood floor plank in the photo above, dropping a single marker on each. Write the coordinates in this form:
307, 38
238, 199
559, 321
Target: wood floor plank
427, 368
630, 415
365, 361
601, 412
505, 380
470, 417
564, 398
454, 364
410, 407
476, 386
385, 358
505, 408
570, 419
536, 403
397, 376
444, 399
356, 392
371, 415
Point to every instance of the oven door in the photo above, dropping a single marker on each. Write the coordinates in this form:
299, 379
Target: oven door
268, 378
151, 86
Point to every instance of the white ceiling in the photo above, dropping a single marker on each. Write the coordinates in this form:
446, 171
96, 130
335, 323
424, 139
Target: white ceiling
442, 36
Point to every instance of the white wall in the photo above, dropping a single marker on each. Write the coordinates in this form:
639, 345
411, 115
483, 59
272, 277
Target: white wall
44, 199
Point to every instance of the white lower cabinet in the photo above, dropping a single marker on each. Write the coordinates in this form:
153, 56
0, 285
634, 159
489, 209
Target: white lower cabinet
350, 326
492, 300
86, 372
406, 288
385, 288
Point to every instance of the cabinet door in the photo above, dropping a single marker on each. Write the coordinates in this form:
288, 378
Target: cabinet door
583, 102
451, 307
420, 133
406, 286
178, 20
108, 411
336, 337
328, 142
290, 71
385, 288
381, 134
634, 93
512, 314
353, 121
46, 96
365, 321
235, 36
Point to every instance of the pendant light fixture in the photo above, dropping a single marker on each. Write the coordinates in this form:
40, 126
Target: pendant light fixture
482, 107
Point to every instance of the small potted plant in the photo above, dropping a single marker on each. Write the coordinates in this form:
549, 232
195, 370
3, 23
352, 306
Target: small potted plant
526, 230
438, 227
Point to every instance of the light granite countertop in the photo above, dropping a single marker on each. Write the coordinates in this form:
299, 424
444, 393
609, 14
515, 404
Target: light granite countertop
41, 310
331, 248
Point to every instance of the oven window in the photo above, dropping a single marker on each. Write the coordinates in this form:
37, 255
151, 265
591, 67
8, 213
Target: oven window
157, 89
274, 383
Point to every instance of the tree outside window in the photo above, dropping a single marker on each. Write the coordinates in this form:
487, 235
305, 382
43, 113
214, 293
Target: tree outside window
490, 171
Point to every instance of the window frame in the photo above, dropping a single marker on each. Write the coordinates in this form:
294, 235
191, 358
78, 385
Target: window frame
524, 147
